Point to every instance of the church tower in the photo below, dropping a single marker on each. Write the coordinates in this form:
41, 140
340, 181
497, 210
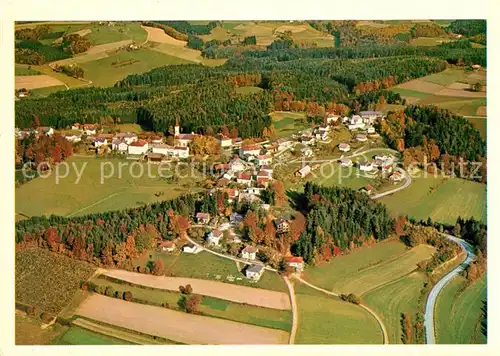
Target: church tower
177, 130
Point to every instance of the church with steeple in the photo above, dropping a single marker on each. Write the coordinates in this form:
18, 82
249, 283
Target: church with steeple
182, 140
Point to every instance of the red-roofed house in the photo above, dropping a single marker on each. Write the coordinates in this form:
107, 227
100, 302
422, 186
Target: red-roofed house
368, 189
203, 218
224, 141
214, 237
252, 150
295, 262
244, 178
138, 147
264, 159
249, 252
156, 139
168, 246
90, 129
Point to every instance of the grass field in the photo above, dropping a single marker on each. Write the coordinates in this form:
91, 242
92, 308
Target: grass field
44, 196
429, 41
107, 71
370, 277
205, 265
391, 300
43, 92
28, 331
288, 123
121, 31
21, 70
47, 280
324, 319
80, 336
444, 200
248, 90
480, 124
458, 313
214, 307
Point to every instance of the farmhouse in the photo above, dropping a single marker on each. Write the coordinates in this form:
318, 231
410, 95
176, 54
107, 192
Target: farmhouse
49, 131
396, 177
224, 141
361, 138
282, 225
330, 118
244, 178
73, 138
100, 141
168, 246
249, 252
90, 129
304, 171
264, 159
191, 248
128, 137
254, 272
295, 262
203, 218
368, 189
344, 147
214, 237
369, 117
250, 150
119, 145
139, 147
162, 148
156, 139
345, 162
366, 166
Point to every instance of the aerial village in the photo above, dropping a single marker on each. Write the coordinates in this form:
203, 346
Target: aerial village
246, 175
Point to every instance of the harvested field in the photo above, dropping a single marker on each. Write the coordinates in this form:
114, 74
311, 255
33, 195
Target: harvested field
94, 53
82, 33
461, 92
293, 29
177, 326
234, 293
422, 86
36, 81
175, 50
158, 35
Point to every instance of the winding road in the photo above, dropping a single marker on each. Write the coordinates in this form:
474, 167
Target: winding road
431, 299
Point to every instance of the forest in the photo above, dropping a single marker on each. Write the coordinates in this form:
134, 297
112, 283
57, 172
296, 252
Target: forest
468, 27
337, 219
438, 135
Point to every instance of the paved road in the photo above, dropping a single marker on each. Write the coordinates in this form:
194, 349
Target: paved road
379, 321
431, 299
295, 312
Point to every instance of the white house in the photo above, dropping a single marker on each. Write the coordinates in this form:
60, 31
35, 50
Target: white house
344, 147
264, 159
361, 138
119, 145
369, 117
128, 137
345, 119
332, 118
163, 149
228, 175
224, 141
366, 166
214, 237
284, 143
370, 130
139, 147
181, 151
244, 178
100, 141
76, 126
254, 190
249, 252
304, 171
156, 139
167, 246
396, 177
90, 129
49, 131
250, 150
254, 272
267, 168
345, 162
73, 138
295, 262
307, 140
191, 248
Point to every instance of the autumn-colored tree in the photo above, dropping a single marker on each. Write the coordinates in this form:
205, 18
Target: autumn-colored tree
180, 224
145, 237
234, 133
407, 329
130, 248
400, 225
279, 192
400, 144
269, 233
120, 253
128, 296
158, 268
297, 226
53, 239
107, 256
250, 225
220, 203
192, 303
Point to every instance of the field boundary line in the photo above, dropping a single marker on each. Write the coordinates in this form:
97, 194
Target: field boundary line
94, 204
385, 337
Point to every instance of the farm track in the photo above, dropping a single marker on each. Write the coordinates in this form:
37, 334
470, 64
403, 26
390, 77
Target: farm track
295, 312
379, 321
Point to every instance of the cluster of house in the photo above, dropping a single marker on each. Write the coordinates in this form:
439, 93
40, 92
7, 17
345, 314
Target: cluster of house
363, 121
42, 130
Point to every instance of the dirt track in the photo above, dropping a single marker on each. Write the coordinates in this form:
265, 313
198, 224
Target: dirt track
231, 292
36, 81
158, 35
177, 326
